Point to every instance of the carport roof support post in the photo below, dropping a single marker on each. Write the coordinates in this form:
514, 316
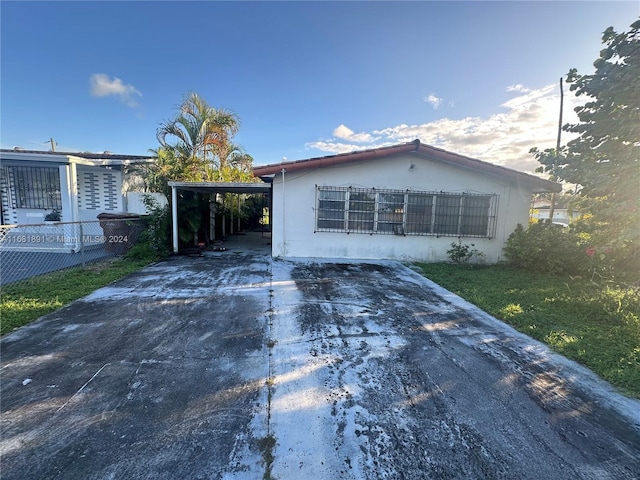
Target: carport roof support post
284, 232
174, 217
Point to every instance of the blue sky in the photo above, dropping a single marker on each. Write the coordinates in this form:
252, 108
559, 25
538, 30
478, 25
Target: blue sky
306, 78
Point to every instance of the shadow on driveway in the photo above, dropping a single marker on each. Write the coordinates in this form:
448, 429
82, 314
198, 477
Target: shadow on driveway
238, 366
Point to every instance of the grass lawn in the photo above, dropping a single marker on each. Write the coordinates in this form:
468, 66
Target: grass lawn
597, 326
25, 301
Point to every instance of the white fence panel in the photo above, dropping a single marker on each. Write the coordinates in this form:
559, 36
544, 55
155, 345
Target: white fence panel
135, 201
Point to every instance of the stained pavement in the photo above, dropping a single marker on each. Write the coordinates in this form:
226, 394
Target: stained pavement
237, 366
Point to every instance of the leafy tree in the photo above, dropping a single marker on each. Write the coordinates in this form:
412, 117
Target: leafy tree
604, 160
545, 247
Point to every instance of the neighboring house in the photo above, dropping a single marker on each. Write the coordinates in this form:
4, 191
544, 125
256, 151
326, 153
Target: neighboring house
78, 185
560, 215
541, 208
406, 202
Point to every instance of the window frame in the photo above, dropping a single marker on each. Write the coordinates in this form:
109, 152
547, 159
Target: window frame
331, 217
422, 213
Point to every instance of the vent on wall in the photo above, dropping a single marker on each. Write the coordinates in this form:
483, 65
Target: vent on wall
99, 191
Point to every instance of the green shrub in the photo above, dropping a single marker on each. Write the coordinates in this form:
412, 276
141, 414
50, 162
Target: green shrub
546, 248
461, 252
155, 240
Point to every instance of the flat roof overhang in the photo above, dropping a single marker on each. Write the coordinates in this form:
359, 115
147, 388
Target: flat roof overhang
223, 187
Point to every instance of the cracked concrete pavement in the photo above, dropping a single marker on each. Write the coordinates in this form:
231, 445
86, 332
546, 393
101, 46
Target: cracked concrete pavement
237, 366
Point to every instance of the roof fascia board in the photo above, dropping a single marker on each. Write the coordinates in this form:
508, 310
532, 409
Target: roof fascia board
84, 161
222, 187
105, 159
37, 157
332, 160
96, 162
62, 159
120, 161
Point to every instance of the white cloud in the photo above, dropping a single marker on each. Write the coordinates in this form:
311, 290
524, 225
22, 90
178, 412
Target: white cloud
530, 119
517, 88
102, 86
346, 133
335, 147
433, 100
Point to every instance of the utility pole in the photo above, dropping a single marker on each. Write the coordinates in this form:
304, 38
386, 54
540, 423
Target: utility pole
553, 194
53, 144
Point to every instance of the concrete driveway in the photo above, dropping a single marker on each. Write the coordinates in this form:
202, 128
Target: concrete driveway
234, 366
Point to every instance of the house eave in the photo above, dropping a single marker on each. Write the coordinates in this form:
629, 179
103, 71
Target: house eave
330, 160
416, 148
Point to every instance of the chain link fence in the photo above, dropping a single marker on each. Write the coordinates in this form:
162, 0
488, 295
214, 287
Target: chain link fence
30, 250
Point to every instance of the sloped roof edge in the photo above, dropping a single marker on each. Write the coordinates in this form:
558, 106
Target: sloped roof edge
414, 147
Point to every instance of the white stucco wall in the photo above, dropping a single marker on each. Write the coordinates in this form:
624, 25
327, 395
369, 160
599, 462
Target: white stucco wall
294, 210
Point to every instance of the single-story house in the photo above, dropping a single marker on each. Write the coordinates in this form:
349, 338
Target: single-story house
78, 185
408, 202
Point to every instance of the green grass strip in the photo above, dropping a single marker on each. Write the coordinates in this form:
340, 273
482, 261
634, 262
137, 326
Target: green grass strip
595, 325
25, 301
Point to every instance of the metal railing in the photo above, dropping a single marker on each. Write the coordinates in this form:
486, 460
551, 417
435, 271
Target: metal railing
405, 212
30, 250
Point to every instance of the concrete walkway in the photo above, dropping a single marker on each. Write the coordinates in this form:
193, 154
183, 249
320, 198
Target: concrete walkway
234, 366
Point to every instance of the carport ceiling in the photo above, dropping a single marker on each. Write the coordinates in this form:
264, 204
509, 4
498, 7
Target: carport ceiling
222, 187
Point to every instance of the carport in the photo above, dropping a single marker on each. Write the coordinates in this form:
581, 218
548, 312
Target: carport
211, 189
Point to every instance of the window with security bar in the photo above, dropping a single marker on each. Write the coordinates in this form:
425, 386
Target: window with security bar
399, 212
37, 187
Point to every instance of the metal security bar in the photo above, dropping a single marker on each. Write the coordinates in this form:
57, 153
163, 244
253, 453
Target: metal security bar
37, 187
31, 250
405, 212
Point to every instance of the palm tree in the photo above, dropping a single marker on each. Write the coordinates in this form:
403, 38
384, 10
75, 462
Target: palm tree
197, 146
170, 165
233, 164
199, 130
